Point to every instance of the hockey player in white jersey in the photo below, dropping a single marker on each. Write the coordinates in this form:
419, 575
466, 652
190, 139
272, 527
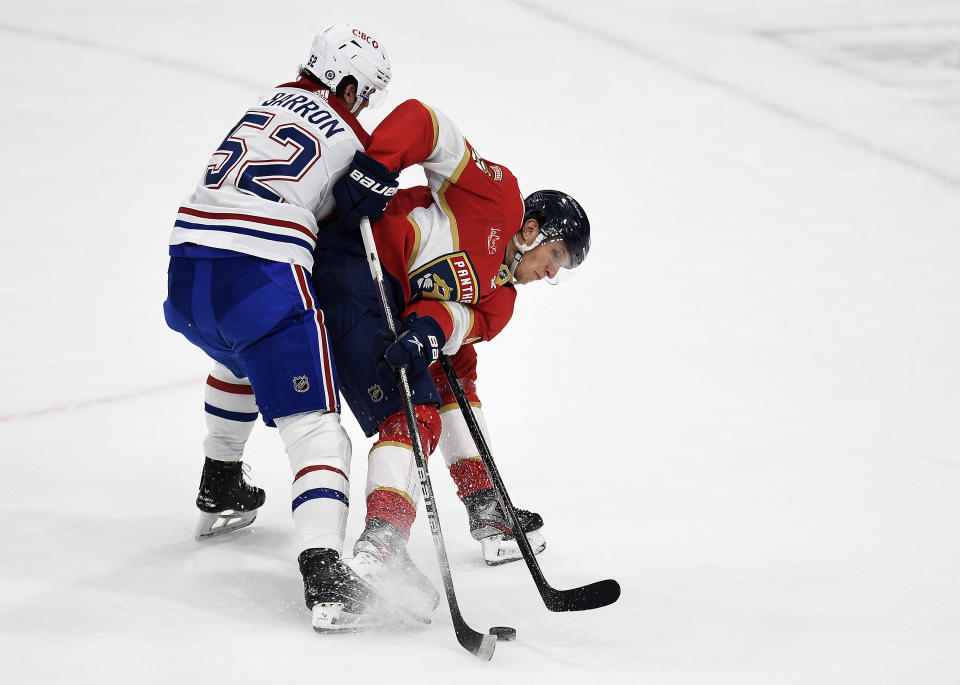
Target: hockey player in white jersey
239, 288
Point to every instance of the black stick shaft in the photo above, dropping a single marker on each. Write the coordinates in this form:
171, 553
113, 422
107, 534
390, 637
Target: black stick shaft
591, 596
479, 644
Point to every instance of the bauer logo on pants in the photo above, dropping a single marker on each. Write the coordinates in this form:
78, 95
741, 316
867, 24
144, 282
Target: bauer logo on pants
375, 392
301, 383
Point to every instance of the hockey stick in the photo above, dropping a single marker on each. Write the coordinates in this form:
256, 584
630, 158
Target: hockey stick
592, 596
479, 644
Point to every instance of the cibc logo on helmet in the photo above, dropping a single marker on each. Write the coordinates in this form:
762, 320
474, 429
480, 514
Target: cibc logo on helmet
362, 36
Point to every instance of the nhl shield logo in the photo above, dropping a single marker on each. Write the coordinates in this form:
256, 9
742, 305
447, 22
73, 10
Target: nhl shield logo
301, 383
375, 392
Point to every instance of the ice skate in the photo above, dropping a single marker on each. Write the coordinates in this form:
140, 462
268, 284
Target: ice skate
227, 502
489, 525
380, 558
336, 597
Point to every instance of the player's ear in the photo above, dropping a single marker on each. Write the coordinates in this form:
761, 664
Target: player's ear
529, 231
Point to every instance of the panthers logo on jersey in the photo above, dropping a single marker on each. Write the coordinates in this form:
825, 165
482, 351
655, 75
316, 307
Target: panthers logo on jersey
433, 287
451, 277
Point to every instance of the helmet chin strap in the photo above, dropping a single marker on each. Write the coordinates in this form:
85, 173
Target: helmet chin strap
521, 250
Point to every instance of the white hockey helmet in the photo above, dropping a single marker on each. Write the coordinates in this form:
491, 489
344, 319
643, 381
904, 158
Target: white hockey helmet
345, 50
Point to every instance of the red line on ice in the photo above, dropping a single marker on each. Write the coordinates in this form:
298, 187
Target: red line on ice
110, 399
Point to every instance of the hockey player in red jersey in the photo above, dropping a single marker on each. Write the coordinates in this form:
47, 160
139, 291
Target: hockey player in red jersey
558, 219
451, 251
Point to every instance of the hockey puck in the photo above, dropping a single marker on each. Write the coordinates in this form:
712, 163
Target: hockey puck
505, 633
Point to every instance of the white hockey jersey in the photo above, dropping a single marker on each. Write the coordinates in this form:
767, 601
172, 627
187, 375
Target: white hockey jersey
270, 181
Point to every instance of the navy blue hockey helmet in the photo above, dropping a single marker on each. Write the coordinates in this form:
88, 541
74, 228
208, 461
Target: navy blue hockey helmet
560, 218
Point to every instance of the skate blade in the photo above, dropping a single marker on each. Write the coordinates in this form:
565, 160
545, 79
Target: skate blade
499, 549
330, 617
211, 525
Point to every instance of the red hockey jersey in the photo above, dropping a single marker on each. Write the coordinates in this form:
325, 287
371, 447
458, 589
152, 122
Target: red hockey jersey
446, 242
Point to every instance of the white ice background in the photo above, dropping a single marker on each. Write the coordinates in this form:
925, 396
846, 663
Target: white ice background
745, 408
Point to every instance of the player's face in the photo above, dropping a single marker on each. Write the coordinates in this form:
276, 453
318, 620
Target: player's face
543, 261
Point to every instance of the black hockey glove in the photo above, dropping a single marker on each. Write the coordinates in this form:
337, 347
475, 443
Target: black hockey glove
417, 346
365, 189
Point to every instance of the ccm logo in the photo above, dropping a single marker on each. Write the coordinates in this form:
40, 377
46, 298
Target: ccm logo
362, 36
368, 182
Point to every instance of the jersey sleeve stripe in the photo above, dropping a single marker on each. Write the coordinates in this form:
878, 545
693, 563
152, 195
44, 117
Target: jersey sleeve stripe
416, 243
454, 230
436, 125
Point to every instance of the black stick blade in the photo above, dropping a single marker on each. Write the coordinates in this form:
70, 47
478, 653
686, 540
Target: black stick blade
592, 596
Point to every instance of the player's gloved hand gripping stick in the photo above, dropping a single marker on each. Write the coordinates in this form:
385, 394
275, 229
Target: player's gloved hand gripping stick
414, 348
592, 596
365, 189
480, 644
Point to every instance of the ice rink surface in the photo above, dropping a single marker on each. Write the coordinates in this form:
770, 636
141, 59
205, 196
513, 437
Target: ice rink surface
745, 408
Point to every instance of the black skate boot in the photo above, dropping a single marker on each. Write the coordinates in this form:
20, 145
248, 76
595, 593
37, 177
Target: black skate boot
489, 525
226, 501
336, 597
380, 558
